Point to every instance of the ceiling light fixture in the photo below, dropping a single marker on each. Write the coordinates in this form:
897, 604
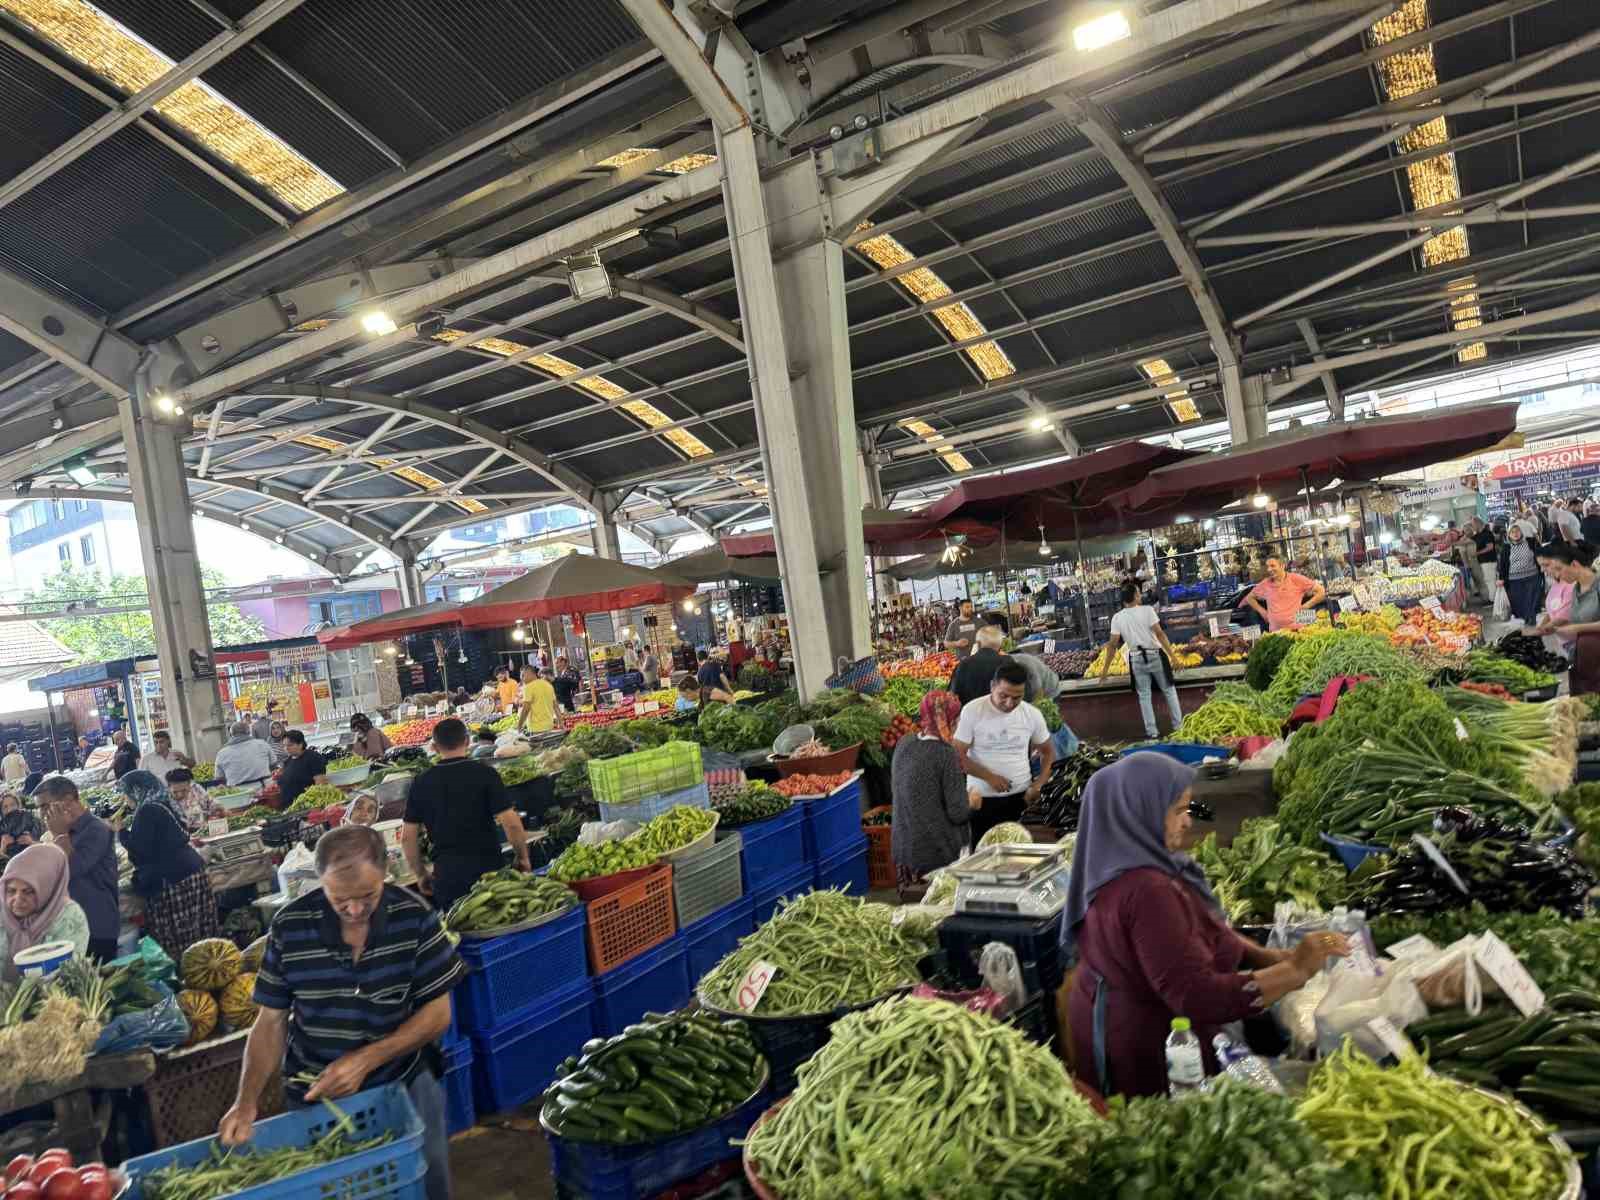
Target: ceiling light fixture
164, 403
1040, 424
589, 279
1101, 32
378, 323
1261, 500
517, 635
1044, 545
1124, 407
79, 471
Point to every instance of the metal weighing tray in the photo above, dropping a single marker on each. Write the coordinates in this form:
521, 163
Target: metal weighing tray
232, 847
1014, 881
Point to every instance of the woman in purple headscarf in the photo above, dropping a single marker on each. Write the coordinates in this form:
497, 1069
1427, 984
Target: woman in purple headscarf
1149, 937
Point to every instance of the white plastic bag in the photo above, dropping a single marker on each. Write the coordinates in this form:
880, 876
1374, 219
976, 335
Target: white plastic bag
297, 874
1502, 603
592, 833
1002, 974
1448, 978
1360, 991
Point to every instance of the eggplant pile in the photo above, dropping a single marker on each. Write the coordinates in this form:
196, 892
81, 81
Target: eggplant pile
1062, 795
1531, 652
1497, 864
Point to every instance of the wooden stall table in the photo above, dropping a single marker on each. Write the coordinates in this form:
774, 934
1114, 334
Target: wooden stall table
81, 1121
1109, 711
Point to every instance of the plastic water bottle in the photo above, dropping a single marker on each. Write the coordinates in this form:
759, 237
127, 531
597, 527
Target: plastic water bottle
1186, 1068
1237, 1062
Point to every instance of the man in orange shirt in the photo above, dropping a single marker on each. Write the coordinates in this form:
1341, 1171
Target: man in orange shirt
506, 692
1282, 594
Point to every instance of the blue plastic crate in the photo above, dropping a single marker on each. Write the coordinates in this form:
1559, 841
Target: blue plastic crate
514, 1062
455, 1035
656, 981
792, 883
698, 796
591, 1171
393, 1171
710, 938
1193, 755
459, 1109
833, 821
845, 869
772, 847
511, 974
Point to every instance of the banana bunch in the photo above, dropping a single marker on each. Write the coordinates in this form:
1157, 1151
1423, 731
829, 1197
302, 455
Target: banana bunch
504, 898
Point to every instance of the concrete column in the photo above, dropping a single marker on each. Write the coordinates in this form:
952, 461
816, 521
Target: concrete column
409, 577
157, 479
884, 585
794, 321
608, 544
1245, 399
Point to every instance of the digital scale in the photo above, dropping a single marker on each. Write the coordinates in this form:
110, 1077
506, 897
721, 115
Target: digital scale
234, 847
1029, 882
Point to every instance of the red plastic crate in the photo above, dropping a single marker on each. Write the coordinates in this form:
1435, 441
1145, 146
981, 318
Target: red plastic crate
880, 856
631, 918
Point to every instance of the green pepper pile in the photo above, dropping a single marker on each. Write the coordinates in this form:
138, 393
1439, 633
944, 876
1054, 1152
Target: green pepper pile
674, 829
664, 1075
318, 795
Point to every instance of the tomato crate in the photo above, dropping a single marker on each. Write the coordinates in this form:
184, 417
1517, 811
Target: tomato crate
710, 938
631, 918
771, 848
392, 1171
515, 1061
630, 778
656, 981
516, 971
845, 869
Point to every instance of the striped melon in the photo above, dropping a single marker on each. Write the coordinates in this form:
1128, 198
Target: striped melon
201, 1010
238, 1009
211, 964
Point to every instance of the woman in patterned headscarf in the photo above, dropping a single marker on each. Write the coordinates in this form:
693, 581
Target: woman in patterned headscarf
932, 809
179, 905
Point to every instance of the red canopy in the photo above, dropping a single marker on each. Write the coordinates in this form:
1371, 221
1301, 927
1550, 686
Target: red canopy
885, 533
416, 619
1053, 494
1285, 463
577, 583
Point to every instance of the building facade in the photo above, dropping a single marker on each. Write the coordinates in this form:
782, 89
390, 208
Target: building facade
45, 535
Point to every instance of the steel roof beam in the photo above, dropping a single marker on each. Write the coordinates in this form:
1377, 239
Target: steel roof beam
75, 339
258, 21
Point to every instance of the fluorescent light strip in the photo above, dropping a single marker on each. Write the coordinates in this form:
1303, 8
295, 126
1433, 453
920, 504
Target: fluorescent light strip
1159, 371
1433, 181
422, 479
953, 459
92, 39
595, 385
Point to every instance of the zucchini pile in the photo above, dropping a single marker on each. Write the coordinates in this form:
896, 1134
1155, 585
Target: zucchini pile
1549, 1061
665, 1075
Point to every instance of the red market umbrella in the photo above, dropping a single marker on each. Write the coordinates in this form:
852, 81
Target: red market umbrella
419, 618
713, 563
575, 584
886, 534
1315, 456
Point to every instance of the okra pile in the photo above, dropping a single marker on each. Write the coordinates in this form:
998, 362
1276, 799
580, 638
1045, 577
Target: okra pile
665, 1075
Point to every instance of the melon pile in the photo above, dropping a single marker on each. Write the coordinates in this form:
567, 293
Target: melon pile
216, 988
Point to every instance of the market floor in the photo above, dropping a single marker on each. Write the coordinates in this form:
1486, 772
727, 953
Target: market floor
502, 1158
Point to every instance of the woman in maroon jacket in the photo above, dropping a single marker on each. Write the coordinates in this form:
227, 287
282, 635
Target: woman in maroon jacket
1149, 937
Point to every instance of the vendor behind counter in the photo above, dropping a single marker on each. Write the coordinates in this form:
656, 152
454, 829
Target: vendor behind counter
303, 767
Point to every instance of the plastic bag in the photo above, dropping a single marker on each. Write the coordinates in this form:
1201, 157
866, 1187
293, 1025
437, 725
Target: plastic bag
160, 1027
297, 874
1002, 974
979, 1000
1502, 603
154, 962
592, 833
1448, 978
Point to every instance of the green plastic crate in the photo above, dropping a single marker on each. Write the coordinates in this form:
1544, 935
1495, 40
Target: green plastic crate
630, 778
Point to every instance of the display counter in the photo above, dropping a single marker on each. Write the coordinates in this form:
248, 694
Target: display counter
1109, 711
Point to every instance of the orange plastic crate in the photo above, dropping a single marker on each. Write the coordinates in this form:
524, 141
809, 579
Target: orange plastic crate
630, 919
880, 859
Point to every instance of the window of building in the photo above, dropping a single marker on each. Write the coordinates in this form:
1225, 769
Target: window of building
64, 552
61, 509
87, 543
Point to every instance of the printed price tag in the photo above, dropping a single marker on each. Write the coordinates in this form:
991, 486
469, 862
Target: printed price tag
1415, 946
1348, 603
1049, 645
1461, 730
217, 827
1395, 1042
1252, 633
917, 653
647, 706
1502, 965
1431, 603
1215, 624
754, 985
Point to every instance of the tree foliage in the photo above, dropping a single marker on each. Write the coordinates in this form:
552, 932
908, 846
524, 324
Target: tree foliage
96, 637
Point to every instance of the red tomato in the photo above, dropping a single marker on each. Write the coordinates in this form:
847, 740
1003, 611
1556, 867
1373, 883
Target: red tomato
64, 1157
18, 1167
43, 1168
62, 1185
23, 1189
95, 1182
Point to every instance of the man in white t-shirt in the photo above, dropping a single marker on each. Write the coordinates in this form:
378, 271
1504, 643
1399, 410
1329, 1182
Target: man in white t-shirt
163, 757
962, 631
995, 737
1566, 522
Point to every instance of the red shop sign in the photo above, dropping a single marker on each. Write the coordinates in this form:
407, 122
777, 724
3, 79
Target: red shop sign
1562, 459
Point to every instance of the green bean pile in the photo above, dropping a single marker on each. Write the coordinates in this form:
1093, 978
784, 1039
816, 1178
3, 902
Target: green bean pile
228, 1171
916, 1098
1428, 1135
830, 950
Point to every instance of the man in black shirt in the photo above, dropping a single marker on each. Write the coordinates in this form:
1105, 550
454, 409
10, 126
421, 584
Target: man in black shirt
1487, 551
975, 673
304, 767
460, 800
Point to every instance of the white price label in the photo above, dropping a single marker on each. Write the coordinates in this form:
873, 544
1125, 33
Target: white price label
1431, 603
217, 827
917, 653
1461, 730
1252, 633
1049, 645
1215, 625
1395, 1042
754, 985
1502, 965
1348, 603
647, 706
1415, 946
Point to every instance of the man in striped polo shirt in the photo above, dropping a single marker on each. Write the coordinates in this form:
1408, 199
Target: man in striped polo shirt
354, 989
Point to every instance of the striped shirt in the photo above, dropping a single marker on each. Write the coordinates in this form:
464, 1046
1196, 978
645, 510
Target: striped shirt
337, 1004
